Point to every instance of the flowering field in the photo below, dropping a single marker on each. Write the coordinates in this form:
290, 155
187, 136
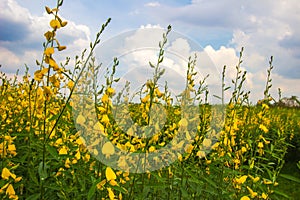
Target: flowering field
50, 151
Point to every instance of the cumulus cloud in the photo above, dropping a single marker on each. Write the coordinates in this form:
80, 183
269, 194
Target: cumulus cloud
12, 61
265, 29
22, 32
136, 48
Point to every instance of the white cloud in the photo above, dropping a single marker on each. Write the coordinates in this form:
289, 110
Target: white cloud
75, 36
5, 54
264, 29
152, 4
181, 45
10, 9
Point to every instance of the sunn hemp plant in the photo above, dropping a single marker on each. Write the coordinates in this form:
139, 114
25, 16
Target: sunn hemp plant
45, 156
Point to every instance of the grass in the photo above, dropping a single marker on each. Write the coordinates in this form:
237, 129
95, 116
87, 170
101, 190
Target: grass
286, 186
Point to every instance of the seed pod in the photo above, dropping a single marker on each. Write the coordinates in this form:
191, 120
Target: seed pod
64, 23
48, 10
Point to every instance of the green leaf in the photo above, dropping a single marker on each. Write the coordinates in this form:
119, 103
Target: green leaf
217, 97
43, 171
159, 179
211, 182
33, 177
92, 191
184, 193
34, 197
281, 194
227, 88
120, 189
151, 65
53, 151
290, 177
161, 60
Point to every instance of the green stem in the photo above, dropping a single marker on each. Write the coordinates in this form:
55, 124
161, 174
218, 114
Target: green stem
93, 45
181, 181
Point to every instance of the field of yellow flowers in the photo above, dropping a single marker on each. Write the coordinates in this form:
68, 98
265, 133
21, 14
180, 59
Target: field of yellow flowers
45, 155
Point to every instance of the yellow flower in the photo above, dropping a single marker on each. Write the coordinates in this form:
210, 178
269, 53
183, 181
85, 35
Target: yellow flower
113, 182
265, 106
10, 98
207, 142
254, 179
70, 84
241, 180
158, 93
244, 149
55, 24
260, 145
111, 194
183, 122
145, 99
189, 148
108, 149
5, 173
49, 51
151, 149
253, 194
80, 119
63, 151
11, 148
54, 80
264, 196
77, 155
49, 35
267, 182
105, 99
11, 192
98, 127
110, 91
79, 141
110, 174
18, 179
74, 161
87, 157
215, 146
200, 154
263, 128
67, 163
58, 142
105, 119
226, 141
53, 64
39, 74
245, 198
47, 90
101, 184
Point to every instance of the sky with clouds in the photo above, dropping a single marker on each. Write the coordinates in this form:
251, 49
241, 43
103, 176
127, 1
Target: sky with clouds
264, 28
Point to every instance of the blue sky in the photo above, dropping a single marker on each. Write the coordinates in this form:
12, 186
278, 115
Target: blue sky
264, 28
